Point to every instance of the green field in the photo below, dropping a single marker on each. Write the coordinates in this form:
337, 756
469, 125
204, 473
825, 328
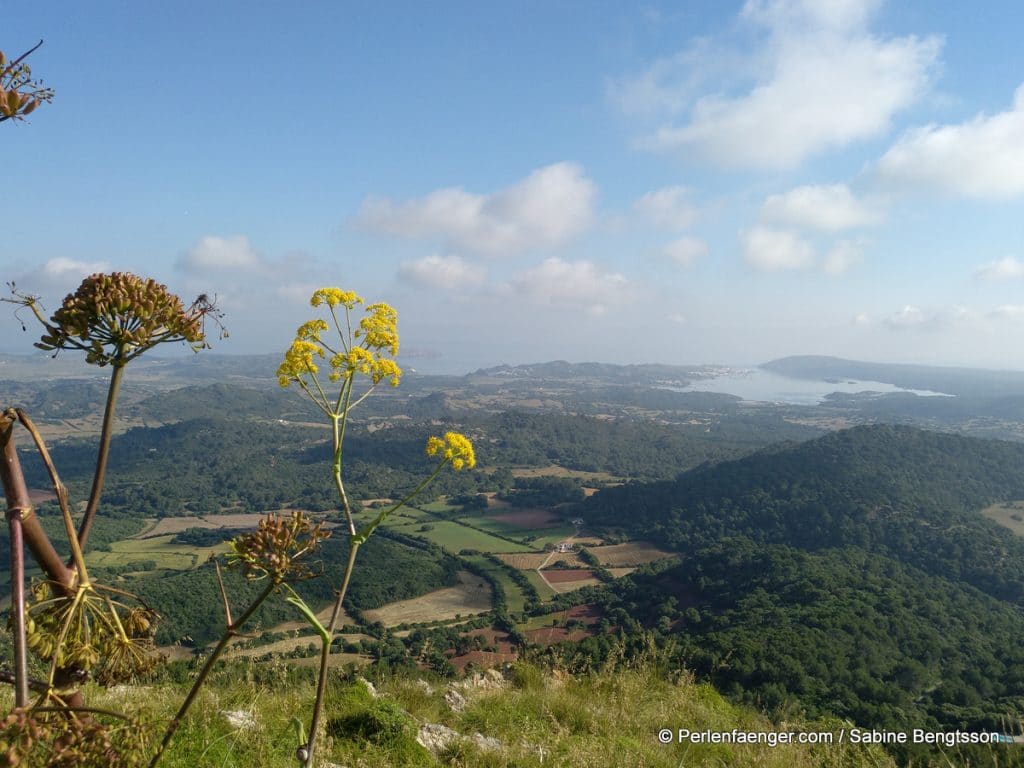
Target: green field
549, 535
455, 537
496, 526
175, 557
514, 596
540, 585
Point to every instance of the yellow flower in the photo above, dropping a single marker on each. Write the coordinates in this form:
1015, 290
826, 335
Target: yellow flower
298, 361
454, 447
335, 296
311, 330
379, 329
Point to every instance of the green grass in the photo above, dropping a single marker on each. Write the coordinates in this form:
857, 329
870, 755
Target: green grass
514, 597
549, 535
455, 537
607, 718
495, 526
175, 557
539, 584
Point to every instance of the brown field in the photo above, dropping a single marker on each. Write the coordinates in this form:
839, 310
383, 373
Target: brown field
528, 518
620, 572
172, 525
482, 659
561, 576
554, 470
471, 595
552, 635
1009, 514
587, 541
632, 554
531, 561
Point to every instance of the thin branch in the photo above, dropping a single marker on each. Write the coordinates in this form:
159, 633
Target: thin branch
223, 593
62, 495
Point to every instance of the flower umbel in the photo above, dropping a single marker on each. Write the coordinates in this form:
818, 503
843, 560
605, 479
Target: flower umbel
454, 447
116, 317
366, 349
277, 547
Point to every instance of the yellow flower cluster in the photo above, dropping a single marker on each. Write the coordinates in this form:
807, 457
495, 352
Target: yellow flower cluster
332, 297
361, 360
379, 329
454, 447
298, 361
377, 332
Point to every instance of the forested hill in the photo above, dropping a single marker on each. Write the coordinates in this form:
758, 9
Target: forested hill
850, 575
908, 494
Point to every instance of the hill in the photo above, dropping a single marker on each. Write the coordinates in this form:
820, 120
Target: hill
851, 575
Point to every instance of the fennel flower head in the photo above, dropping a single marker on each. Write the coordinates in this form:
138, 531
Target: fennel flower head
454, 447
365, 347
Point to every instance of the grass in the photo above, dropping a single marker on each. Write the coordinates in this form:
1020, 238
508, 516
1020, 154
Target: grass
536, 719
514, 597
455, 537
160, 549
472, 595
1009, 514
543, 590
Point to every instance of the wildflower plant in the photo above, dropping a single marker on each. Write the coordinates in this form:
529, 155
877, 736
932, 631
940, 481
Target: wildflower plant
337, 361
79, 627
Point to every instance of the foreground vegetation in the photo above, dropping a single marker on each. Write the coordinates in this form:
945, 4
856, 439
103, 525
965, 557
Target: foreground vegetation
534, 718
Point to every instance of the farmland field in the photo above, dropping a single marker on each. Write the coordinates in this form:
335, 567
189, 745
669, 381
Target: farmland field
543, 588
471, 595
514, 596
527, 517
1009, 514
455, 537
177, 557
632, 554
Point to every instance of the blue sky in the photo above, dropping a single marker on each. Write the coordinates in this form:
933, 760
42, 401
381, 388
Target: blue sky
680, 182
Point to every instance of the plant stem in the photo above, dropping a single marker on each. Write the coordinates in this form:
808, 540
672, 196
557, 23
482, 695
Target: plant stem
18, 607
101, 459
16, 492
62, 496
229, 633
325, 654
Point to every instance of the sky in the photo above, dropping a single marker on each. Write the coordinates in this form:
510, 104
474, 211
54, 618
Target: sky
681, 182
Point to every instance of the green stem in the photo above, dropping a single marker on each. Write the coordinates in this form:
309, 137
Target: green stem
325, 654
104, 453
229, 633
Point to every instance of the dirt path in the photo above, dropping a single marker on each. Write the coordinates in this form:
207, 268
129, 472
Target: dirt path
547, 560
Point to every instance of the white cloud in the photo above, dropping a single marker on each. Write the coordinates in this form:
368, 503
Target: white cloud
669, 208
59, 274
824, 208
578, 284
215, 253
677, 318
686, 251
550, 206
842, 257
776, 249
908, 317
913, 317
981, 158
1007, 268
829, 82
447, 272
862, 319
1009, 312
